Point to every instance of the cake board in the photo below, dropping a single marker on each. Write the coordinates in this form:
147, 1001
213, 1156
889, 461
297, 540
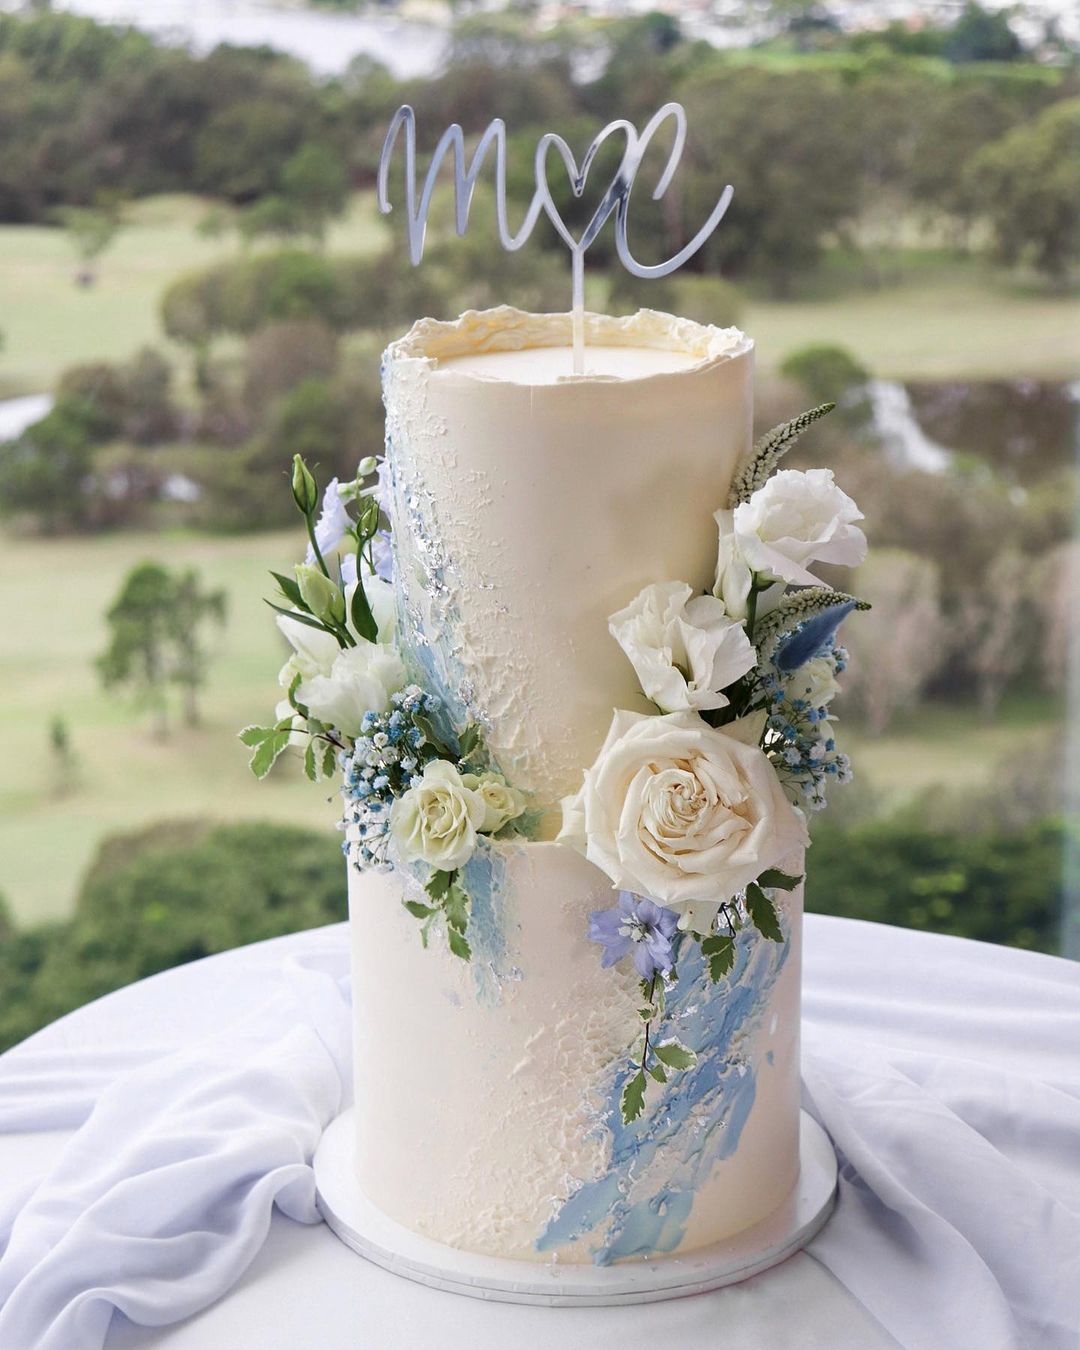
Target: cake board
378, 1238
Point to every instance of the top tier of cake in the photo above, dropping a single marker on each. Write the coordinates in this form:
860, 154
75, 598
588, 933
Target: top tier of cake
530, 504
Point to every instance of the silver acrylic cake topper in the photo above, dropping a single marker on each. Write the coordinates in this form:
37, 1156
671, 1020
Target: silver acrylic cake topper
615, 200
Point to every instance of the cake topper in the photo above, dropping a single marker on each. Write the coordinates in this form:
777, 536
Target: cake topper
616, 199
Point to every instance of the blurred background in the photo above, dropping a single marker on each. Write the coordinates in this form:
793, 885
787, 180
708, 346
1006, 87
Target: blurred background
195, 284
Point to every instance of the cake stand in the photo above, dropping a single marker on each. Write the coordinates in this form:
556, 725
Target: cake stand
364, 1228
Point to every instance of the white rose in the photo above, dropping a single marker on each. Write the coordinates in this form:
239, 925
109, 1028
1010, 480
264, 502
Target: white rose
796, 518
815, 681
685, 648
437, 820
680, 811
361, 680
502, 803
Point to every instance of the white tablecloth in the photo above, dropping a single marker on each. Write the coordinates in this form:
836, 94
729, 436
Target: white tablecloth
947, 1072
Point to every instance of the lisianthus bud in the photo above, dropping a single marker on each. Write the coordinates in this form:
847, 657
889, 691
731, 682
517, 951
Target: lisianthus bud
319, 593
304, 490
367, 465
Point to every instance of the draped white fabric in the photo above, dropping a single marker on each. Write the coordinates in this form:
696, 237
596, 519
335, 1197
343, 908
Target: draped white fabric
946, 1072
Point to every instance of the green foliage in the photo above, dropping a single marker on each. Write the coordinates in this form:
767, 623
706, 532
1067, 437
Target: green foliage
1028, 188
155, 636
633, 1098
981, 35
997, 887
44, 470
450, 902
824, 371
164, 896
763, 914
719, 950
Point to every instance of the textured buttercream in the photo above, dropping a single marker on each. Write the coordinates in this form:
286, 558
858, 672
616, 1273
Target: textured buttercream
526, 514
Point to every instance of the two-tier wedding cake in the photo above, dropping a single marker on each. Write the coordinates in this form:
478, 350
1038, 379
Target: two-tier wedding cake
571, 662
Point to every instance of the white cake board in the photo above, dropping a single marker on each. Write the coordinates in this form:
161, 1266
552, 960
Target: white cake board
364, 1228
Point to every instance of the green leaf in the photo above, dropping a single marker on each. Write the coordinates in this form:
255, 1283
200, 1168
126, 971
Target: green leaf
458, 945
419, 911
268, 751
762, 913
775, 880
674, 1055
719, 951
456, 904
311, 767
646, 1014
329, 761
360, 613
306, 619
290, 590
633, 1098
469, 740
439, 883
255, 735
657, 1071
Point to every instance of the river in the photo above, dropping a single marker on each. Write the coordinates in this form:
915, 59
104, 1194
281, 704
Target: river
325, 40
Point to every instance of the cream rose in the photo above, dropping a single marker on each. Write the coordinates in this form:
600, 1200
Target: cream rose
502, 803
678, 811
795, 519
684, 648
437, 820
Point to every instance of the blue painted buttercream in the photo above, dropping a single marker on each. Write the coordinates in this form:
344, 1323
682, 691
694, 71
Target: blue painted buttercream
697, 1118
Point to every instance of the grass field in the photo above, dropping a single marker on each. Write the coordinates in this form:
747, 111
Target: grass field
943, 318
49, 322
57, 591
53, 629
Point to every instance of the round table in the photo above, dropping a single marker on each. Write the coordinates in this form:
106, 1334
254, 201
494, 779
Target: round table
967, 1011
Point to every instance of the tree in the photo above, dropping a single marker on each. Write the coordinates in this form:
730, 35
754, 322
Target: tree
191, 606
44, 471
155, 627
824, 371
1027, 186
92, 229
315, 183
982, 35
789, 145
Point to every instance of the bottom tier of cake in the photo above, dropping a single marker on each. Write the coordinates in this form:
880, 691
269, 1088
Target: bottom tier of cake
488, 1091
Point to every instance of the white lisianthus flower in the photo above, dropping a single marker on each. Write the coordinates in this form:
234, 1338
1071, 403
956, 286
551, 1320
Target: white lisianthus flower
815, 681
361, 679
502, 803
682, 812
437, 820
314, 652
685, 648
733, 575
795, 519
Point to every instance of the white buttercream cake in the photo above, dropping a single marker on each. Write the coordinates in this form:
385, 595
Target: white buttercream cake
528, 506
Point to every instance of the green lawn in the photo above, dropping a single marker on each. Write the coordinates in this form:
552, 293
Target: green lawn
49, 322
57, 591
943, 318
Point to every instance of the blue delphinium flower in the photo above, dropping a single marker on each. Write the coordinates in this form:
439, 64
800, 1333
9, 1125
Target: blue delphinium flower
636, 926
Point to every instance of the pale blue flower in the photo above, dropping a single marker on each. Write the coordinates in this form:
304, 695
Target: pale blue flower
333, 524
638, 927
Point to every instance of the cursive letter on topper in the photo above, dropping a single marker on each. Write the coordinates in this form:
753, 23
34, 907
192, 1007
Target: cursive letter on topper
616, 199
